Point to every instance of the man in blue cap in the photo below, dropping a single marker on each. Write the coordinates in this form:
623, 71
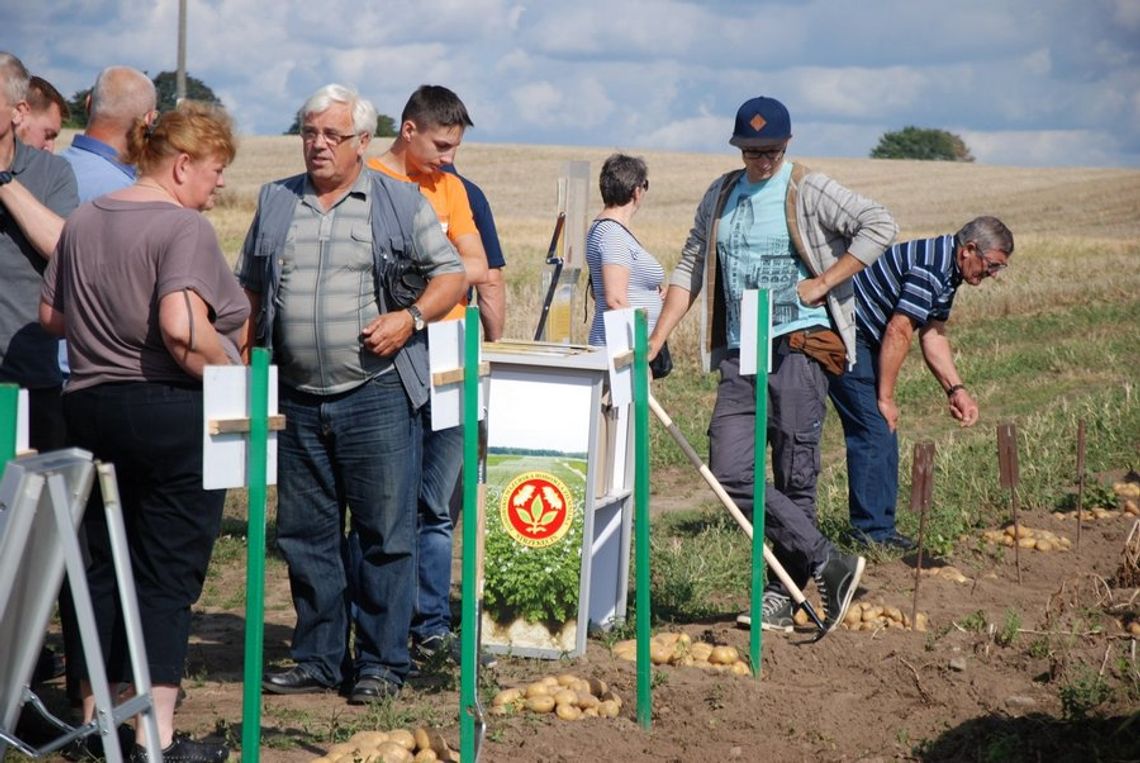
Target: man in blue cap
778, 225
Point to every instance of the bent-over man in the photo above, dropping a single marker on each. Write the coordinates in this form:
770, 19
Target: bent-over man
911, 287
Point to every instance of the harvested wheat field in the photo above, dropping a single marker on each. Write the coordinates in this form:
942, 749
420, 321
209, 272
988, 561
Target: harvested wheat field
1042, 670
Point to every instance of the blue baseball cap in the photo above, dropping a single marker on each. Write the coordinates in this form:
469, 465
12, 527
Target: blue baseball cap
761, 122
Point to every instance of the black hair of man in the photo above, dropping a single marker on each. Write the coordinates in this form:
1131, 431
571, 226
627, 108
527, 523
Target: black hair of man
435, 106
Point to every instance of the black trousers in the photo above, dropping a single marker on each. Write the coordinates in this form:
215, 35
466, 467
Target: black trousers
152, 433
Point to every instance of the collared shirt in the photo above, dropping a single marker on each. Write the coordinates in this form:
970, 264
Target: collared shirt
98, 170
28, 354
327, 295
916, 278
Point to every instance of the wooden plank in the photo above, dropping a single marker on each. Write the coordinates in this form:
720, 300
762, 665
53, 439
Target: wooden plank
241, 426
455, 375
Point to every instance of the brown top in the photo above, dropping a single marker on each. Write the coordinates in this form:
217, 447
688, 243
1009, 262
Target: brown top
114, 262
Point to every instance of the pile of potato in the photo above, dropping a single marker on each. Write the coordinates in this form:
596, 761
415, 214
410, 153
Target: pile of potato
865, 616
567, 696
680, 649
953, 574
1027, 537
1127, 489
423, 745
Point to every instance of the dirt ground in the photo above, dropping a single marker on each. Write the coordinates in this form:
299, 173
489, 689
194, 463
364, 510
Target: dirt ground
951, 693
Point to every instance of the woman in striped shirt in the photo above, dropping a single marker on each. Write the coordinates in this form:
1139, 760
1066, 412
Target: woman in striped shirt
622, 273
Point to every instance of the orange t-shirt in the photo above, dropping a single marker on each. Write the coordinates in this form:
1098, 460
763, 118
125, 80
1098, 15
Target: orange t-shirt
448, 197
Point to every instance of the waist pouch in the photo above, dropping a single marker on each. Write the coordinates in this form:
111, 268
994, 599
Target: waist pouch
824, 346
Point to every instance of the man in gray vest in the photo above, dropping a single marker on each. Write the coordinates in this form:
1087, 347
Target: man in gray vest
323, 263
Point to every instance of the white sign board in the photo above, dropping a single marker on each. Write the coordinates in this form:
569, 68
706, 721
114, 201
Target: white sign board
226, 396
22, 421
445, 354
749, 310
619, 342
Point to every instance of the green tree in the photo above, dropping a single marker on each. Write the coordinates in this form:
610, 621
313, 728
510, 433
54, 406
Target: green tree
385, 127
922, 143
78, 108
165, 85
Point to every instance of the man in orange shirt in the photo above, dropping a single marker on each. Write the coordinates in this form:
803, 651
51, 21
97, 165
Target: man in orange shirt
431, 129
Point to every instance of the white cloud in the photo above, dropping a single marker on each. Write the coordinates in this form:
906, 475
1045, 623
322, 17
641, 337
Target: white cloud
539, 103
1020, 75
1042, 147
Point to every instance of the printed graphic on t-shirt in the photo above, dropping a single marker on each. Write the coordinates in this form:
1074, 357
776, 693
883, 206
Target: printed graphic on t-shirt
757, 262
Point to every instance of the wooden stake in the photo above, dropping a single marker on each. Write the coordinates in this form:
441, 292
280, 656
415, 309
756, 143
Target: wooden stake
921, 493
1080, 478
1008, 473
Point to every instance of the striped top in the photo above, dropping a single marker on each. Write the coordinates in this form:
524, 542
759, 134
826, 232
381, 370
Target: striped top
916, 278
608, 242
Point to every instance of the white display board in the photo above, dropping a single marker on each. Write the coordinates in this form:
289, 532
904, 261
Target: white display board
749, 310
226, 396
445, 357
22, 421
32, 562
619, 343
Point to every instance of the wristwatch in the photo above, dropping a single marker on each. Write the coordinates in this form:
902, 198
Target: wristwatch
417, 318
6, 177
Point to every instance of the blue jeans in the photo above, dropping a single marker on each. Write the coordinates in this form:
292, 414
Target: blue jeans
872, 448
353, 456
442, 461
797, 391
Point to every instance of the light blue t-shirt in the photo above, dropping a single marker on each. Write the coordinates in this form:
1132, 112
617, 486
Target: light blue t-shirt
756, 252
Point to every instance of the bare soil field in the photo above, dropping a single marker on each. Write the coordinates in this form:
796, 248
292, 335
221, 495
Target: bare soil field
973, 686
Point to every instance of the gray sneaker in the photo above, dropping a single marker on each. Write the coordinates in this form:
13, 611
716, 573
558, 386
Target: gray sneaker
837, 580
776, 614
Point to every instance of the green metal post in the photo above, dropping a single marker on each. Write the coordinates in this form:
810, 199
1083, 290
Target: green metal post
469, 625
755, 641
9, 405
255, 554
641, 512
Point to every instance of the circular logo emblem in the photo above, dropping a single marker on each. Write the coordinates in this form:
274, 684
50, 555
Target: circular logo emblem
535, 509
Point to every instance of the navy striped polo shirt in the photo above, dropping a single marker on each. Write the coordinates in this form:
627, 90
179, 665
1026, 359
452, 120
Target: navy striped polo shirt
916, 278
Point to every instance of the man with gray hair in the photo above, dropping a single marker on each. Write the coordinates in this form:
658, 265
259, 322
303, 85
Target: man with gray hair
912, 286
322, 263
121, 98
37, 191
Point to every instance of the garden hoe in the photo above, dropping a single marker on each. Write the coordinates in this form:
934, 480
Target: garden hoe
734, 510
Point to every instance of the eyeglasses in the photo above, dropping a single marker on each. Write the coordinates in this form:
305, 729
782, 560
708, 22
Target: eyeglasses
645, 184
332, 139
771, 154
993, 267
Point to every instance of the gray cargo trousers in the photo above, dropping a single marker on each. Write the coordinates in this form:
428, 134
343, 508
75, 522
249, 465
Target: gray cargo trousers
797, 395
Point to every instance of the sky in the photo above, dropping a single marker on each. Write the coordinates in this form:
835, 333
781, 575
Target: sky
1023, 82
